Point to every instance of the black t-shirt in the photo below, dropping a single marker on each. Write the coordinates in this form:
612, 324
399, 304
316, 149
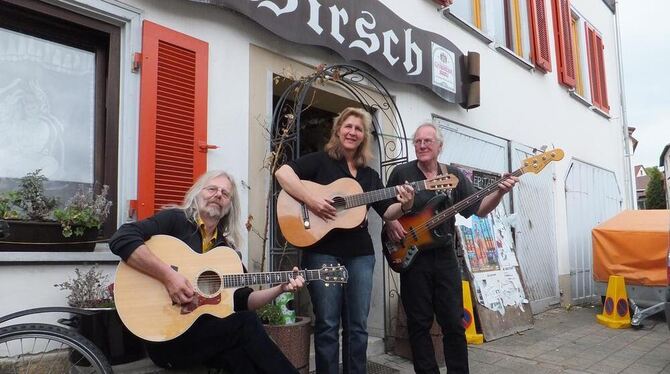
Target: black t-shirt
320, 168
171, 222
410, 172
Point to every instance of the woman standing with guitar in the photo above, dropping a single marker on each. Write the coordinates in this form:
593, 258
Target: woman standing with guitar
208, 218
345, 156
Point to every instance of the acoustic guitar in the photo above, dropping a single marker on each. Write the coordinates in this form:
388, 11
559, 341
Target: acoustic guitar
419, 226
147, 311
303, 228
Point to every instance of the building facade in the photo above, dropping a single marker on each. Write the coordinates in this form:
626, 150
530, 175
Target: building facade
143, 95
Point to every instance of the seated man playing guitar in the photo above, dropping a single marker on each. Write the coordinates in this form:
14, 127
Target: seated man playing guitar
431, 286
209, 217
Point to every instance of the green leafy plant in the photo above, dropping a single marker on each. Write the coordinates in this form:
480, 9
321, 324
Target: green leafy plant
30, 199
9, 205
270, 314
88, 290
85, 210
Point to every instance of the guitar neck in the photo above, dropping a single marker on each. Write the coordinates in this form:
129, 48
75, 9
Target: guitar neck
448, 213
366, 198
275, 277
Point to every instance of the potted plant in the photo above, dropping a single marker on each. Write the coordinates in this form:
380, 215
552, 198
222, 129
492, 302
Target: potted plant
91, 290
31, 221
290, 334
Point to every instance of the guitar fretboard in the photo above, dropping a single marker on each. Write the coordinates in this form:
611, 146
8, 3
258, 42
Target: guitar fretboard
366, 198
448, 213
252, 279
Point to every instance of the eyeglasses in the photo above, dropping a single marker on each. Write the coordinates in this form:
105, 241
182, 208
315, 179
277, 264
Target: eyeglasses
426, 142
212, 190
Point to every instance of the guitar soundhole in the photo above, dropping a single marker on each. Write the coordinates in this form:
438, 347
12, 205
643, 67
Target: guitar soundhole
339, 203
209, 283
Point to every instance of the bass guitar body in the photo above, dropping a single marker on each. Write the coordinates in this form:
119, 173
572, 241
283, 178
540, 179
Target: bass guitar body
302, 228
400, 255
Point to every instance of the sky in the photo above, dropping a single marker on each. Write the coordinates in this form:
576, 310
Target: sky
645, 42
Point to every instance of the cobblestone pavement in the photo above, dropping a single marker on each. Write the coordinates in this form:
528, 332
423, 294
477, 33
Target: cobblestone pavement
568, 341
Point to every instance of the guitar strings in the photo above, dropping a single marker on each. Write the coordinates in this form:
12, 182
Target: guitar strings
448, 213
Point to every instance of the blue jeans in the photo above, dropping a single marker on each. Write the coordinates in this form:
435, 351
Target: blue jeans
333, 303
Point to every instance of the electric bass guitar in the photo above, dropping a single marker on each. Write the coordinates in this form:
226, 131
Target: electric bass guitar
144, 304
303, 228
419, 227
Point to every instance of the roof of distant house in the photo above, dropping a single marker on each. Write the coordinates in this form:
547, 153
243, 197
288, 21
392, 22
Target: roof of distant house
641, 181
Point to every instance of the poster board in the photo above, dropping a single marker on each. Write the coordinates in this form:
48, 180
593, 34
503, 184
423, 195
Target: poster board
493, 271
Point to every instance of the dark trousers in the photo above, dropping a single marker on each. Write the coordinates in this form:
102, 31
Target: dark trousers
432, 287
237, 343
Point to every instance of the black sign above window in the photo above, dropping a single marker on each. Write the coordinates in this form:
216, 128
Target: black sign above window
366, 31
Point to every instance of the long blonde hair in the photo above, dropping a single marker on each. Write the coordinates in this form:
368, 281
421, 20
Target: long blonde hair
231, 222
334, 147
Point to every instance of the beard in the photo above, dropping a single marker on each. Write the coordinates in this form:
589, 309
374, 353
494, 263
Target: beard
214, 210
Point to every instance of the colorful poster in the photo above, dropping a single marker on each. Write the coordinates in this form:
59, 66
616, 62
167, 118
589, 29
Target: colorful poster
488, 249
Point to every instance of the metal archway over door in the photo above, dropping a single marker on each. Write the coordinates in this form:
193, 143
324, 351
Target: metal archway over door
592, 195
298, 128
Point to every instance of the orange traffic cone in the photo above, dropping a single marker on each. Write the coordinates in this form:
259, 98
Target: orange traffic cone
616, 313
469, 317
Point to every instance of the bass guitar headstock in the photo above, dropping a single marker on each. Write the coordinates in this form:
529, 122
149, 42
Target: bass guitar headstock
536, 163
441, 182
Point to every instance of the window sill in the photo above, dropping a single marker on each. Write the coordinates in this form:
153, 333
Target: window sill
516, 59
100, 255
601, 112
467, 27
587, 103
579, 98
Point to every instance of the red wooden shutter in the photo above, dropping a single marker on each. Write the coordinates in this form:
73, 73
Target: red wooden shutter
600, 50
173, 116
540, 43
594, 46
563, 38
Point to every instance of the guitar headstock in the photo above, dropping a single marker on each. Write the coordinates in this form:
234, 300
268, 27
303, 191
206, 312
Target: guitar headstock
536, 163
333, 274
441, 182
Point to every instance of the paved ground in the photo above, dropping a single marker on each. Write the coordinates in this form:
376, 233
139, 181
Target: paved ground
565, 341
562, 341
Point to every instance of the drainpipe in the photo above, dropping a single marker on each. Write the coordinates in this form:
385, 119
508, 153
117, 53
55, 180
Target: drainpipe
630, 201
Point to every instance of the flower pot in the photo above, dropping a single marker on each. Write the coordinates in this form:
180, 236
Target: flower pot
108, 333
40, 236
293, 340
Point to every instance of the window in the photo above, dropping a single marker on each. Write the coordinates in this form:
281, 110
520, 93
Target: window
59, 75
519, 26
580, 54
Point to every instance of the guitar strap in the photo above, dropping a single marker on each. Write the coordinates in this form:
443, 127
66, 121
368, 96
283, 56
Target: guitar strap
448, 193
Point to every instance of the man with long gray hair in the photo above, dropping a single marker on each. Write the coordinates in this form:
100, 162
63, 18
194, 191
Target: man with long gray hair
209, 217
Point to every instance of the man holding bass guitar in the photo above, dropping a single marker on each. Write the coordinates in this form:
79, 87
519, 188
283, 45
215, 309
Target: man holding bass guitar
431, 286
345, 156
209, 217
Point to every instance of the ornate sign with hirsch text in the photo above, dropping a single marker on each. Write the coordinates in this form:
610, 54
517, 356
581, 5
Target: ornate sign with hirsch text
367, 31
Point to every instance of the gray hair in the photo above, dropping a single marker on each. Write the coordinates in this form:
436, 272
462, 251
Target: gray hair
231, 221
438, 133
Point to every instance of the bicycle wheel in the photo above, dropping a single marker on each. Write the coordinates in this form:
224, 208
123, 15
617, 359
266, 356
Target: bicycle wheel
43, 348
